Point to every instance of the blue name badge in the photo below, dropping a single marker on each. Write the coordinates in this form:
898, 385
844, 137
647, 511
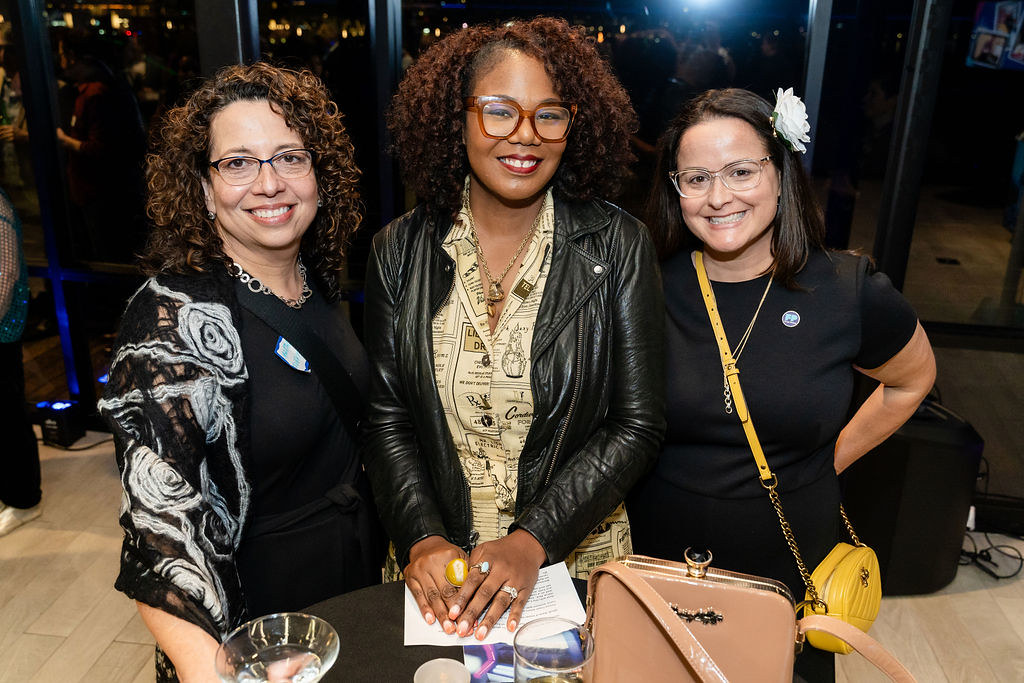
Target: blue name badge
290, 355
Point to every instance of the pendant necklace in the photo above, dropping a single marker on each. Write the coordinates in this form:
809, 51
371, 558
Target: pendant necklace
257, 287
727, 392
495, 293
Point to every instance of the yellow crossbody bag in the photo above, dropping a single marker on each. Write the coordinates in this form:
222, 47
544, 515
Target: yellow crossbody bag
847, 584
851, 589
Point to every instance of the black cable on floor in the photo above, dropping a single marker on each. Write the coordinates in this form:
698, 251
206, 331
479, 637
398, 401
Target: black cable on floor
983, 558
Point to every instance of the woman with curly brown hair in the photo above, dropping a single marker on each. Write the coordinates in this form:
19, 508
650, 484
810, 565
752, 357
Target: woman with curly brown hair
513, 323
235, 385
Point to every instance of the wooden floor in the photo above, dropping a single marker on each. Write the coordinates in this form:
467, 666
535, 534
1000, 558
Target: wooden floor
61, 620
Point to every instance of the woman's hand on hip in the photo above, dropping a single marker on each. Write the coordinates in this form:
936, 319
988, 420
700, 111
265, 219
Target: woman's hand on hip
513, 562
424, 575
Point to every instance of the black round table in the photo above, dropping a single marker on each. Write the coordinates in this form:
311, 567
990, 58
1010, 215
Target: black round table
371, 627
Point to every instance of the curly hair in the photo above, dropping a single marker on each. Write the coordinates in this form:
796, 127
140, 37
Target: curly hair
799, 224
184, 239
426, 118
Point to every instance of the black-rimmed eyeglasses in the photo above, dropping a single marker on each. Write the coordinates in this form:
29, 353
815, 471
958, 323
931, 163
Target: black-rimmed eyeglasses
242, 170
500, 117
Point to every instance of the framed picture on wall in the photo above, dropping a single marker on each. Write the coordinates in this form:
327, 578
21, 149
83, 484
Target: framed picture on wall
987, 49
998, 38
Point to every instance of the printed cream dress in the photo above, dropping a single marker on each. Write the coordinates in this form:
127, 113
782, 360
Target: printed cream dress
484, 382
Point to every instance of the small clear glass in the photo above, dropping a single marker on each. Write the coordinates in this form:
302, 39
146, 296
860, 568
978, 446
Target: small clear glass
553, 650
289, 647
442, 670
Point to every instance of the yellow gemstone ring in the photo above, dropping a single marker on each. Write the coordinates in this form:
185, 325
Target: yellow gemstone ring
456, 571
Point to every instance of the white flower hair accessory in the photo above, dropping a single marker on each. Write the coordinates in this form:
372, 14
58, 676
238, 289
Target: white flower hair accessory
789, 120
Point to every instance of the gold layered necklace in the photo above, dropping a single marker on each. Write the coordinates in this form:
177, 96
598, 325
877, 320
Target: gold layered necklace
495, 292
742, 344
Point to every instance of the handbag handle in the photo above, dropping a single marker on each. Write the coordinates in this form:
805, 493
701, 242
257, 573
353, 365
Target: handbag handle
671, 625
868, 647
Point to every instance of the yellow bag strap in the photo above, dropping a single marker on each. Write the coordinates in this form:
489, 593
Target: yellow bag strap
732, 375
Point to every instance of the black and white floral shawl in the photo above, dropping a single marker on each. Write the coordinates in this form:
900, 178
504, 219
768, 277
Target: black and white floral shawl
176, 403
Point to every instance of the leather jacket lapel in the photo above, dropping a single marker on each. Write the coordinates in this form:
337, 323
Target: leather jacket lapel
441, 269
575, 271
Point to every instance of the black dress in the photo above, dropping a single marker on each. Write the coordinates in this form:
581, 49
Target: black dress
797, 376
314, 532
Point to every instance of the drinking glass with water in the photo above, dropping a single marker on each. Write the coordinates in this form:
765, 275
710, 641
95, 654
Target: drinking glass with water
552, 650
278, 648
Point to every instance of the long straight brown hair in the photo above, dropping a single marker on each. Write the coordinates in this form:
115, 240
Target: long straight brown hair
798, 226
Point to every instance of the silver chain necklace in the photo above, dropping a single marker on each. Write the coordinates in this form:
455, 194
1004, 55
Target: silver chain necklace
257, 287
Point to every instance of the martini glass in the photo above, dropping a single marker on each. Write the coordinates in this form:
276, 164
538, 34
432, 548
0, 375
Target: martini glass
552, 650
289, 647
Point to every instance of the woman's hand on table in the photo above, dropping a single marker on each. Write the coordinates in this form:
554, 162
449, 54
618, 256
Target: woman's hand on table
512, 561
424, 575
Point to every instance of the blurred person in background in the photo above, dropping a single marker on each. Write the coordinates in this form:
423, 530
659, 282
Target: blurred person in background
105, 141
20, 492
14, 157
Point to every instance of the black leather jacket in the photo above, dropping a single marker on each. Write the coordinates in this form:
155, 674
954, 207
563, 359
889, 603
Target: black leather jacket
597, 379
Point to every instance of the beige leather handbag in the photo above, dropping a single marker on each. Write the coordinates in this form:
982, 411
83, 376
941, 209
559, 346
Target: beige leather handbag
658, 620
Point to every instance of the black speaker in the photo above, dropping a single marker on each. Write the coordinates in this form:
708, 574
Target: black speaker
909, 499
61, 422
999, 513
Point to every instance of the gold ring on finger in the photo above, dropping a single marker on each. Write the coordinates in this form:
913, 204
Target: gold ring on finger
455, 572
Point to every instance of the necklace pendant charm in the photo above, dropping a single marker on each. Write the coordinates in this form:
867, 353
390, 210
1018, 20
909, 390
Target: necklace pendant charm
495, 293
490, 308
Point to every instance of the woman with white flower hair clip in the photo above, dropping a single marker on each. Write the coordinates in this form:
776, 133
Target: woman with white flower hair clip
233, 393
730, 195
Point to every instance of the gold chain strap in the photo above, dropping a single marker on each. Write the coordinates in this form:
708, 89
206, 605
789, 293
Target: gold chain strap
787, 532
849, 527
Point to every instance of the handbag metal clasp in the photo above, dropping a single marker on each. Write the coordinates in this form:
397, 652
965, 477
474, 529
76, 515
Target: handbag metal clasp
697, 562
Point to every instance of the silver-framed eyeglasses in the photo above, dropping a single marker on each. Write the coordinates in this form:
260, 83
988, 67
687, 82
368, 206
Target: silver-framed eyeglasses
242, 170
744, 174
500, 117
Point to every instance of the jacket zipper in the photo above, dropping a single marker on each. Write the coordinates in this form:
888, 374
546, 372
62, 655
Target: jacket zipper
572, 401
465, 484
451, 288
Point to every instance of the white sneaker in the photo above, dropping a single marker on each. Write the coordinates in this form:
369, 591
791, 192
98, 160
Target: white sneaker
11, 517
